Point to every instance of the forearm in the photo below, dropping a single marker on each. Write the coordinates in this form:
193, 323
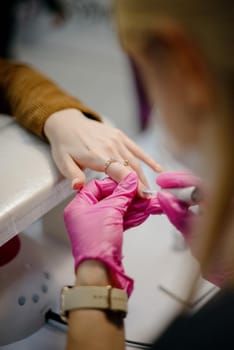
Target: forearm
91, 329
31, 97
94, 329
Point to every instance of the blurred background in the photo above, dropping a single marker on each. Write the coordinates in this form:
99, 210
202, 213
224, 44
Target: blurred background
75, 44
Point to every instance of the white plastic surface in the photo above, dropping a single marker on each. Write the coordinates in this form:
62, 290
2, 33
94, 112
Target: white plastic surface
27, 291
29, 181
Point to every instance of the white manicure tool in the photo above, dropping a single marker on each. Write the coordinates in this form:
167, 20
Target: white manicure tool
190, 195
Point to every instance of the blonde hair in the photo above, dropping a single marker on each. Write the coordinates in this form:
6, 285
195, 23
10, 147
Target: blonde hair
210, 25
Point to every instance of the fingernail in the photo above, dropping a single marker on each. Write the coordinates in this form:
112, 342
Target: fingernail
76, 185
159, 168
147, 193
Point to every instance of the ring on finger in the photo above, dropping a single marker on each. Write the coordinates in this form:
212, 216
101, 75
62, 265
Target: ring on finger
126, 162
108, 163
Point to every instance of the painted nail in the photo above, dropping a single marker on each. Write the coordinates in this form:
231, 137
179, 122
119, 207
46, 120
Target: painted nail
76, 185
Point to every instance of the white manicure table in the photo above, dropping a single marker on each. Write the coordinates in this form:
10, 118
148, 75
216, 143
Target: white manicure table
30, 188
30, 184
32, 198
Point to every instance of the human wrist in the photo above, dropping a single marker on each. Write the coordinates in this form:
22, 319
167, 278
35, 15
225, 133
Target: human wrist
56, 118
92, 273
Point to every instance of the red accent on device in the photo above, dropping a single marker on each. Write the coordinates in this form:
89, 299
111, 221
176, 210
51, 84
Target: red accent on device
9, 250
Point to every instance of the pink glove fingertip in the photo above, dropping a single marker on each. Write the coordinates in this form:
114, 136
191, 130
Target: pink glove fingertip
124, 192
177, 179
130, 182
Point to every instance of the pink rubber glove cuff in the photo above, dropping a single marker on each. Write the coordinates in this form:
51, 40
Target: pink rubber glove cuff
116, 271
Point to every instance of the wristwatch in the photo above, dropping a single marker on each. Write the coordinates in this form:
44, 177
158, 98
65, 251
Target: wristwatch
90, 297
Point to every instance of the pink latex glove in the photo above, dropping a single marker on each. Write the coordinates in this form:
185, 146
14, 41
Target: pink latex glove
182, 218
177, 212
139, 209
95, 226
98, 215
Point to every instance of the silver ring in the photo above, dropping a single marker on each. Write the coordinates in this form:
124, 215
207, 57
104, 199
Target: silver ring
108, 163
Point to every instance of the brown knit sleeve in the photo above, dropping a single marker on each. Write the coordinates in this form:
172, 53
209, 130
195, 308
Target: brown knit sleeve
31, 98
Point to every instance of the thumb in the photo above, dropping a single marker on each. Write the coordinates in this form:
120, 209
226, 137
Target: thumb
124, 193
94, 191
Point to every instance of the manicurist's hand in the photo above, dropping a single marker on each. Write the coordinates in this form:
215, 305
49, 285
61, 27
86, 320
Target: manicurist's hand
177, 212
95, 221
185, 220
78, 143
95, 226
140, 208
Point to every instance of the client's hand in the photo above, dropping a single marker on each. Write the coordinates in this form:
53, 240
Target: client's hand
94, 223
78, 143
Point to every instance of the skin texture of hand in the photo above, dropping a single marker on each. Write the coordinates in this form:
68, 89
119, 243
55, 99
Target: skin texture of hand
95, 226
78, 143
185, 220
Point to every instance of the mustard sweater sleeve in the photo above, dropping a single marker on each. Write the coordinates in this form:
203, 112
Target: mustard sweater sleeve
31, 98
